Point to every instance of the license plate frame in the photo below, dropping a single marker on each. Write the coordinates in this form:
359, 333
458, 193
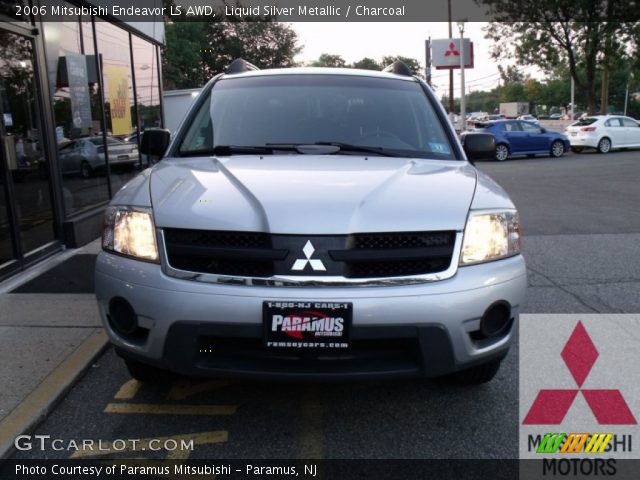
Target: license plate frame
307, 325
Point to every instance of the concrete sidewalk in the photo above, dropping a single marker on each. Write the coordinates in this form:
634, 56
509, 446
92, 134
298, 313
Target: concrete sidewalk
49, 334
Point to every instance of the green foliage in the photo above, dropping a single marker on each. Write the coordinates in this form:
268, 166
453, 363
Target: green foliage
196, 51
329, 60
367, 64
562, 34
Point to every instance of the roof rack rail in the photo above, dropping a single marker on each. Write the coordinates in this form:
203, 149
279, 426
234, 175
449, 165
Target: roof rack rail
399, 68
240, 65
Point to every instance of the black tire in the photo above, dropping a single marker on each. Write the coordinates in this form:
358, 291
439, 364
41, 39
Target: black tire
557, 149
576, 149
477, 375
604, 145
502, 152
85, 170
146, 373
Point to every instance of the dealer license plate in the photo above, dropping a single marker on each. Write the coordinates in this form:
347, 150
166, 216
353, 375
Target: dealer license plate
307, 325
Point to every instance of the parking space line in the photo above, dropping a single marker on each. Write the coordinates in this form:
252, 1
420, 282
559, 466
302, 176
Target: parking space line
160, 409
183, 389
144, 444
128, 390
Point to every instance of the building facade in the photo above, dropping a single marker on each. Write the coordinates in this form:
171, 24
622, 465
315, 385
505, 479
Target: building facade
75, 94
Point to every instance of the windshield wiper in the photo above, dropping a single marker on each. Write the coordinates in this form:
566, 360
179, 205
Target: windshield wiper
347, 147
225, 150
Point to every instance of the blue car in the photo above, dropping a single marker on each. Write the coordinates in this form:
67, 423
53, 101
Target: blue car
518, 137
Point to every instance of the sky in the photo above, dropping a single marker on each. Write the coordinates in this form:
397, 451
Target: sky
353, 41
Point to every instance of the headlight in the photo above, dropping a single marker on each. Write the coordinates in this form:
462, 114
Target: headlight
130, 232
490, 235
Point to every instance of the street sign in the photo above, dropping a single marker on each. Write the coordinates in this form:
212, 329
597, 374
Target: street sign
445, 53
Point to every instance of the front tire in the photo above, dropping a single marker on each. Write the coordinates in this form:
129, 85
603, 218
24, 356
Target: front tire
604, 145
146, 373
477, 375
557, 149
502, 152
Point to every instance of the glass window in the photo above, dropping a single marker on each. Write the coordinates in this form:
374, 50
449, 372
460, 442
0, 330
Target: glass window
627, 122
530, 127
147, 87
371, 112
76, 104
512, 127
115, 53
613, 122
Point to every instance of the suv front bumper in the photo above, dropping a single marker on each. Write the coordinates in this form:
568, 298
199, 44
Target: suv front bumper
427, 329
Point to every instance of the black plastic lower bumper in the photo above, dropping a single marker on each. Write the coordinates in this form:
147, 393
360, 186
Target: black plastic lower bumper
200, 349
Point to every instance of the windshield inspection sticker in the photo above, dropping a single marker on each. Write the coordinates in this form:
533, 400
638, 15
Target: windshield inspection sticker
439, 147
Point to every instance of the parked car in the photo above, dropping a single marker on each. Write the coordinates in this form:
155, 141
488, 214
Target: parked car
332, 228
529, 118
555, 116
517, 137
133, 138
604, 133
85, 155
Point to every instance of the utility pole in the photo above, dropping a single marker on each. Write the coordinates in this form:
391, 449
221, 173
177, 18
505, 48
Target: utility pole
451, 103
573, 95
463, 109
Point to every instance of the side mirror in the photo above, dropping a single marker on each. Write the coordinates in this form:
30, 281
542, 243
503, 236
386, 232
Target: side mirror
479, 146
154, 142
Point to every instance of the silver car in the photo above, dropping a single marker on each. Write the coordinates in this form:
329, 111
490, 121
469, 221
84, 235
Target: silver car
312, 223
85, 155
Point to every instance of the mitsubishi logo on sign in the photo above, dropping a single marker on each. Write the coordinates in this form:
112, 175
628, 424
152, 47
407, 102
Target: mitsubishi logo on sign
445, 53
607, 405
301, 263
452, 50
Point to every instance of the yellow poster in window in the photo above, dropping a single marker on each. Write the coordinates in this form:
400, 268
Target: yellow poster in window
118, 88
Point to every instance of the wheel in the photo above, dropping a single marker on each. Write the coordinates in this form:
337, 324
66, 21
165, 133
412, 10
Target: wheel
576, 149
502, 152
146, 373
85, 170
557, 149
604, 145
477, 375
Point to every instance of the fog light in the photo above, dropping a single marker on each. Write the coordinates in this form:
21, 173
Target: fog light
122, 317
496, 319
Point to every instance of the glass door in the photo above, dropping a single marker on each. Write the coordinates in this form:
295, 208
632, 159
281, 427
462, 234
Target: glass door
26, 213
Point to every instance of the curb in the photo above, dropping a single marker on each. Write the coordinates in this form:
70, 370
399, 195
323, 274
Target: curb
34, 408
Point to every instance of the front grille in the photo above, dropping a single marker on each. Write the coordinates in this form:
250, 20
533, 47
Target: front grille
262, 255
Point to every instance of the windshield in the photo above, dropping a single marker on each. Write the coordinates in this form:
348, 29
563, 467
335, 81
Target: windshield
390, 115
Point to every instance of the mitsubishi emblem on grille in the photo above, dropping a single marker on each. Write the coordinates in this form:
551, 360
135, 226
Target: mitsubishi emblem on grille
301, 263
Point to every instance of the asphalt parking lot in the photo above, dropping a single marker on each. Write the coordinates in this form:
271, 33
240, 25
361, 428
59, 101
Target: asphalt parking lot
581, 226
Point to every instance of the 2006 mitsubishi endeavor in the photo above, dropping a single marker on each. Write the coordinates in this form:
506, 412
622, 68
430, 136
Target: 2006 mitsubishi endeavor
312, 223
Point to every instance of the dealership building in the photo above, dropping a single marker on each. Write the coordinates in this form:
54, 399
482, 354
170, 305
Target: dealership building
75, 93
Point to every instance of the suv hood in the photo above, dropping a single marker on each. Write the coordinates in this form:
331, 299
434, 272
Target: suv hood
312, 194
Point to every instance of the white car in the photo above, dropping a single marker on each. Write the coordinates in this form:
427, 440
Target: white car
604, 133
529, 118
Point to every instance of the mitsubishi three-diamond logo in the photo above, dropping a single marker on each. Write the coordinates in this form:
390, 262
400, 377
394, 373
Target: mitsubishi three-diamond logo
301, 263
607, 405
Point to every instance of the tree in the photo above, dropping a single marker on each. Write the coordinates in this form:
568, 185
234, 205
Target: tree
557, 32
367, 64
329, 60
195, 51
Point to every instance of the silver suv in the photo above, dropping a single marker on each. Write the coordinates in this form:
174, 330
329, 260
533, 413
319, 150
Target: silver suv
312, 223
